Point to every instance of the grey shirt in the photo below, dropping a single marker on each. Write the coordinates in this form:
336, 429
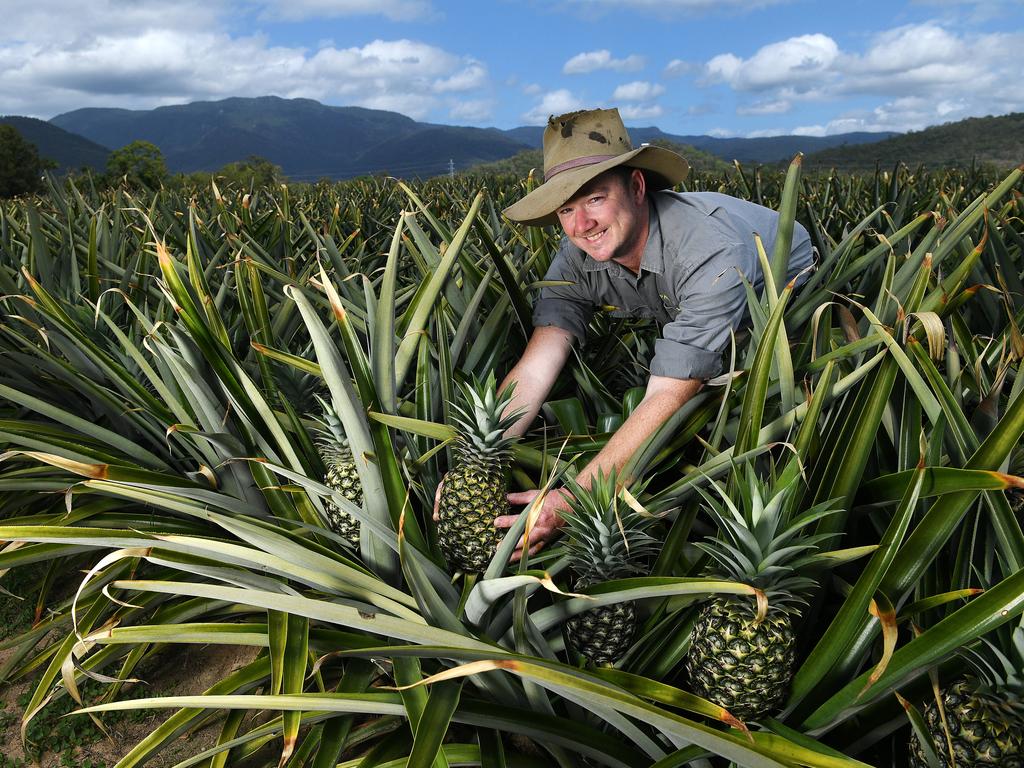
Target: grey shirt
689, 281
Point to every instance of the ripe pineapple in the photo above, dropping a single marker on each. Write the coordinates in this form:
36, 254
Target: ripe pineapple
605, 540
342, 474
475, 489
984, 714
734, 660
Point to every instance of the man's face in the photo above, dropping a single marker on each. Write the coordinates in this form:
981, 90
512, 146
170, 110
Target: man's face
607, 219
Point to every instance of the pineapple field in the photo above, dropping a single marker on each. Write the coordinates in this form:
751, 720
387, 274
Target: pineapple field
225, 415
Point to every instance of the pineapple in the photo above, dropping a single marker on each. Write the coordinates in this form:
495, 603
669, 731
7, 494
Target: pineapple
984, 714
342, 474
736, 660
475, 489
605, 540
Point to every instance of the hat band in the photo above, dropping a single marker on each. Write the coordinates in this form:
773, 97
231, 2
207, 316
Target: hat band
578, 162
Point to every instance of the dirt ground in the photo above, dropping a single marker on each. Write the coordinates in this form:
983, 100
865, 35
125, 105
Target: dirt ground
178, 670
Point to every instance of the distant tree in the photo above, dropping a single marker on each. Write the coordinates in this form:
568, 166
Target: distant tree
21, 168
254, 171
139, 162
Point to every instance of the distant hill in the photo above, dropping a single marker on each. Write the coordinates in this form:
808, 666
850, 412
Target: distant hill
998, 141
70, 151
307, 139
522, 163
768, 149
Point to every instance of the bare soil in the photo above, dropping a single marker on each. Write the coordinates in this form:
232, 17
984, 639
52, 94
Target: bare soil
178, 670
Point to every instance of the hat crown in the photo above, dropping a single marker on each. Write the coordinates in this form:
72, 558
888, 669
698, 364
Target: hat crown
583, 138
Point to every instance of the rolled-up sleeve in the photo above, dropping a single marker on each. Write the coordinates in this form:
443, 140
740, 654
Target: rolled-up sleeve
567, 306
713, 301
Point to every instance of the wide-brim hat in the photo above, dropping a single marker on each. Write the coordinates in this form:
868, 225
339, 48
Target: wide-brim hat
579, 146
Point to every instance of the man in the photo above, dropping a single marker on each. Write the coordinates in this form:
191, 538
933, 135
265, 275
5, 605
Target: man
675, 258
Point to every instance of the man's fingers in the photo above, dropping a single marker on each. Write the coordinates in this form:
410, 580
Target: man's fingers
505, 521
534, 549
522, 497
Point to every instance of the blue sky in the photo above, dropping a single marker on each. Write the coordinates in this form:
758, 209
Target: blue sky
719, 67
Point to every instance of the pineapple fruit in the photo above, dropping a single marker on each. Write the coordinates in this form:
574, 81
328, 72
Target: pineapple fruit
736, 659
605, 540
475, 489
984, 714
342, 474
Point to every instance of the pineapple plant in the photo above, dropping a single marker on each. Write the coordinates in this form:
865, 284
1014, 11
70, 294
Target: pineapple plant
984, 713
605, 540
475, 489
738, 659
342, 474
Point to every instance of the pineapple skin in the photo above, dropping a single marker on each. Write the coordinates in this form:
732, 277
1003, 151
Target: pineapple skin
983, 732
471, 498
743, 667
602, 635
343, 476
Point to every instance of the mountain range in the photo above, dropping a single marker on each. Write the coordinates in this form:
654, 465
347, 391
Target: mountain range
309, 140
68, 150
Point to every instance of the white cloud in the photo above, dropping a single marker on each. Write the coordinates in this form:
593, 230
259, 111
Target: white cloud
472, 76
474, 111
806, 59
919, 74
532, 89
61, 55
638, 90
812, 130
640, 111
592, 61
553, 103
678, 68
71, 23
774, 107
296, 10
149, 54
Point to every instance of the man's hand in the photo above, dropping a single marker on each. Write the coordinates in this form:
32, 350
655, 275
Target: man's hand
545, 527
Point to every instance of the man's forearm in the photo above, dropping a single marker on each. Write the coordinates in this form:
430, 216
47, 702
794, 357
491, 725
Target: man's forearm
664, 397
535, 373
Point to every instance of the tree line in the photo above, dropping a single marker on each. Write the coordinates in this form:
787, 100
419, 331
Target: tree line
139, 164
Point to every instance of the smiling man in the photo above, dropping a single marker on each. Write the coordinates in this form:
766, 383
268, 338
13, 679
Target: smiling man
677, 258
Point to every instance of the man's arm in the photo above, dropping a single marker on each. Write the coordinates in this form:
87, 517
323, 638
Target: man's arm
535, 373
664, 397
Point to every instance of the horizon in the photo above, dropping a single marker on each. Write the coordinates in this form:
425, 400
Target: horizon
727, 69
630, 127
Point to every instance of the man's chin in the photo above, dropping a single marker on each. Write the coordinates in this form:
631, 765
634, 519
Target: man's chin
596, 253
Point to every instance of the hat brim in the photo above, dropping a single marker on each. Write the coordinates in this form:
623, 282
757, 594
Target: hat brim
538, 208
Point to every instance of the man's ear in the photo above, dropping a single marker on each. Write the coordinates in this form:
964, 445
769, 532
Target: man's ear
637, 185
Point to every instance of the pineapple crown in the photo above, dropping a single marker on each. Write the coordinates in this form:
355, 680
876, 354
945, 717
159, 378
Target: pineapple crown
999, 668
606, 538
330, 433
760, 544
480, 424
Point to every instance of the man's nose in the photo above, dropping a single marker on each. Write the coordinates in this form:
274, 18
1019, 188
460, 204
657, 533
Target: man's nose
582, 219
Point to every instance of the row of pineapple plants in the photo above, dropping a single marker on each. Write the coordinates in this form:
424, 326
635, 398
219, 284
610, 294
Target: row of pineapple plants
408, 387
